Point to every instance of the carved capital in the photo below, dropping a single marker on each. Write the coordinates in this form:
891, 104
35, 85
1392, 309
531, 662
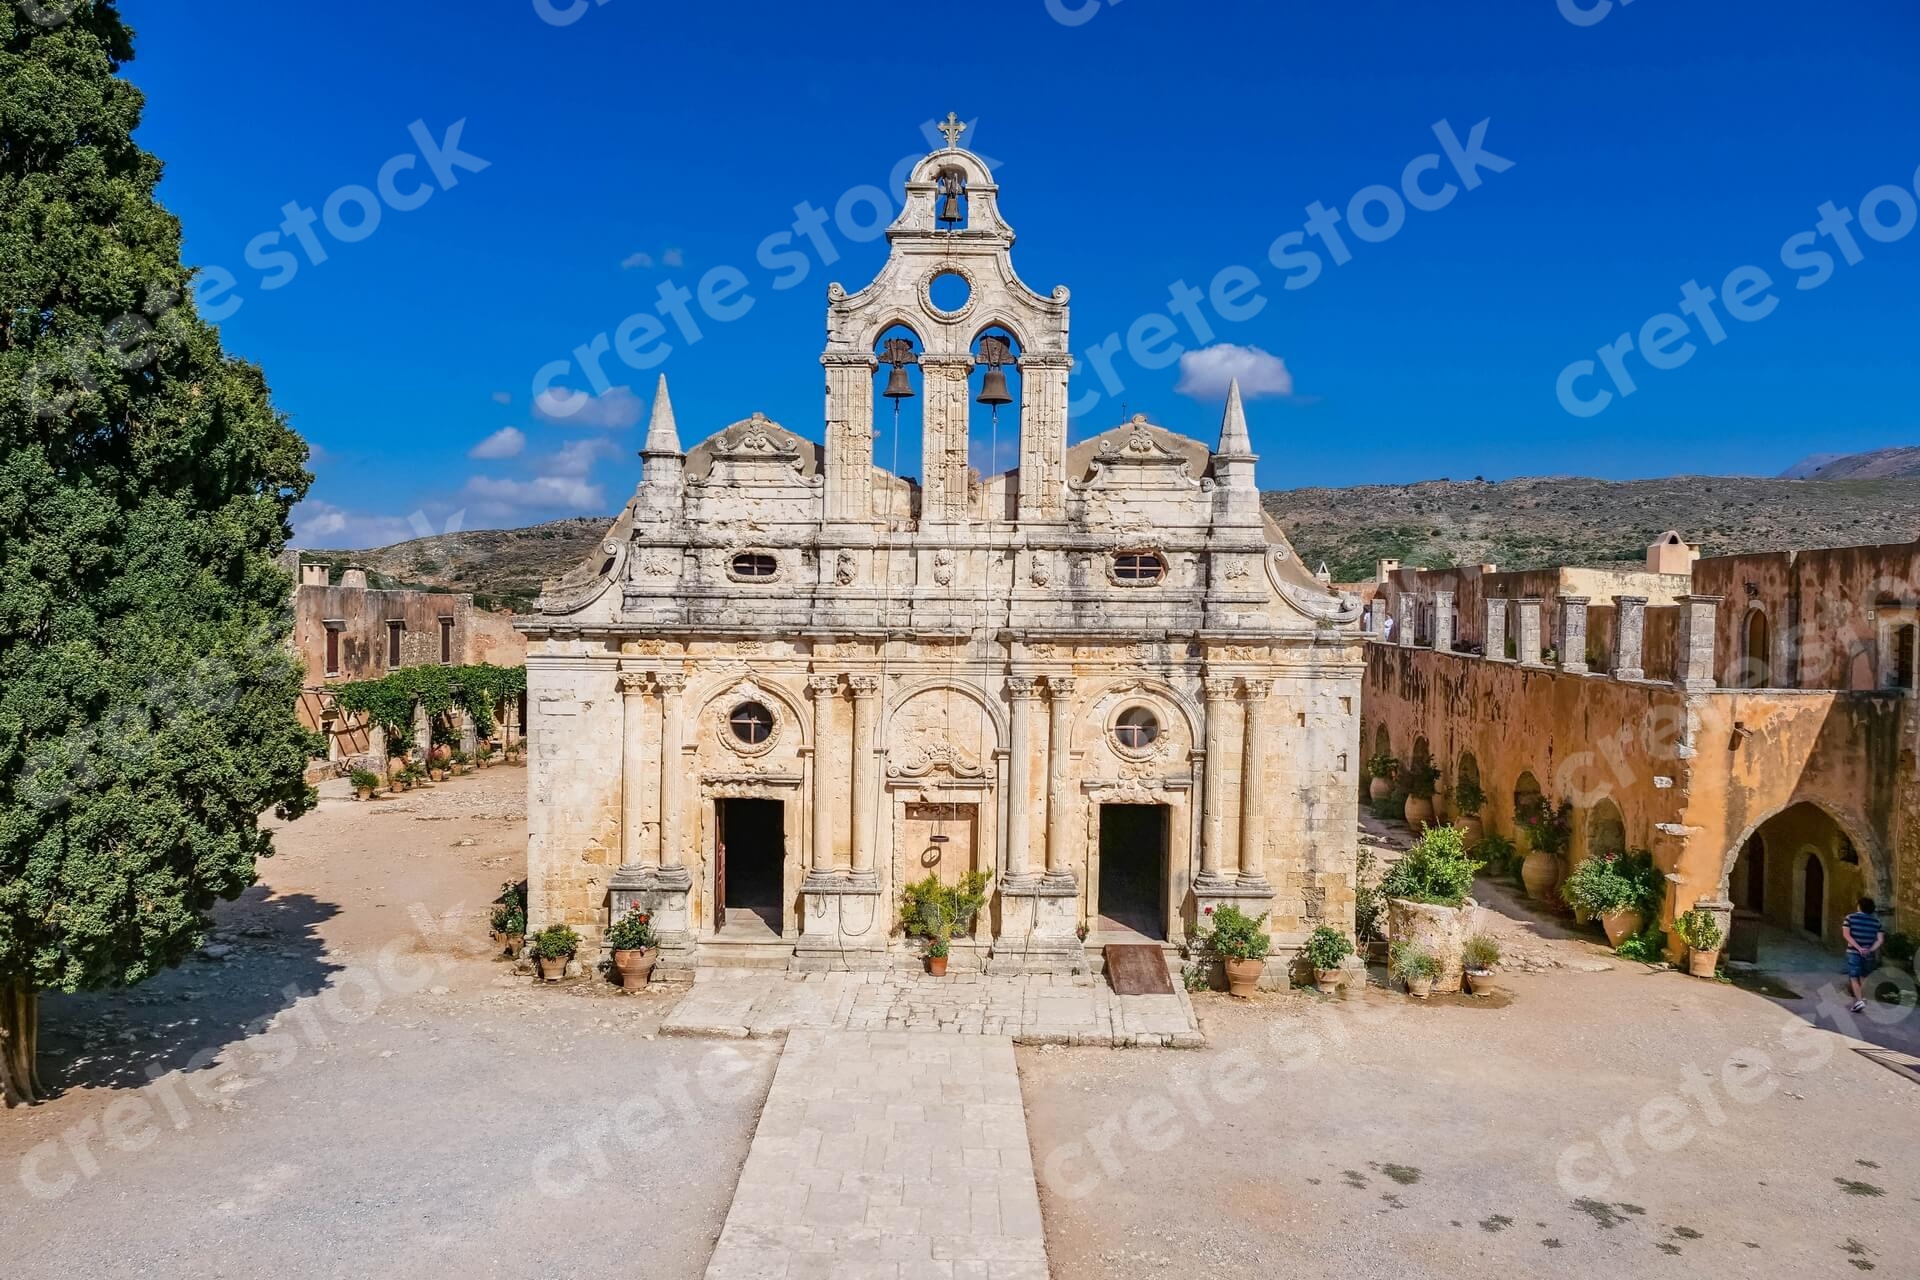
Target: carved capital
1023, 688
670, 682
1257, 690
1061, 686
864, 686
823, 686
633, 684
1221, 688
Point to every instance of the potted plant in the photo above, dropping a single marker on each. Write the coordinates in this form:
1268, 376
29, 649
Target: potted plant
1241, 942
1481, 953
553, 946
1421, 781
1381, 769
1701, 932
1549, 831
1617, 888
1327, 950
364, 782
510, 918
937, 949
1427, 902
457, 762
483, 754
1495, 851
635, 949
1468, 801
1414, 965
935, 911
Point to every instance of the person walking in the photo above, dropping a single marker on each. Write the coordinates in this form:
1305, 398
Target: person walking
1864, 937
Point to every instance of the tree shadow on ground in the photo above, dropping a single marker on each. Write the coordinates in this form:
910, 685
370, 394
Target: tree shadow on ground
265, 953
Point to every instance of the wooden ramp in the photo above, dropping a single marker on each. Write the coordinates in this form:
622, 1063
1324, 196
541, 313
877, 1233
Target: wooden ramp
1138, 970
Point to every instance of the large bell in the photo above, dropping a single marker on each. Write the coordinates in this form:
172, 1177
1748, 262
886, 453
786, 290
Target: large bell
898, 388
993, 388
950, 209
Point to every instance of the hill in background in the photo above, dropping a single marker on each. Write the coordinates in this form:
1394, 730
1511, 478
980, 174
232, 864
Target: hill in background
1880, 464
1516, 524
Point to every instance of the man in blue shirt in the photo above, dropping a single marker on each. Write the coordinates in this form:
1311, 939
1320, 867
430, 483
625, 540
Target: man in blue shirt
1864, 938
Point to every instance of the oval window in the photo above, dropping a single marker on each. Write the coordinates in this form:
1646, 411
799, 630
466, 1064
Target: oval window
751, 722
755, 564
1137, 728
1139, 566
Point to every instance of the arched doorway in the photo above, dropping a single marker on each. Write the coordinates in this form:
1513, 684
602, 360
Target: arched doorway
1748, 884
1813, 898
1756, 659
1382, 742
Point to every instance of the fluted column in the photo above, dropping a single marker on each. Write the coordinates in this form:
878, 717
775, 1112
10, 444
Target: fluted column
1253, 789
633, 762
1021, 691
1059, 730
943, 437
866, 692
671, 683
825, 785
1220, 691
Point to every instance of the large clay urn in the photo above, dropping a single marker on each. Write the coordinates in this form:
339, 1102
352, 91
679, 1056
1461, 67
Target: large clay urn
1419, 812
1540, 873
1439, 930
1379, 789
1472, 831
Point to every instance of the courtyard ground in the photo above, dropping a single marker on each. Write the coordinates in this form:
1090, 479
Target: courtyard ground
348, 1084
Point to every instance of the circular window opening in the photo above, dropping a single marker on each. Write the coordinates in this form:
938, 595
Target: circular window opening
949, 292
1139, 566
1137, 728
755, 564
751, 722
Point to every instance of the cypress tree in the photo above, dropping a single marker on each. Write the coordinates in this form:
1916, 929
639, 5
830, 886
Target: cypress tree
147, 693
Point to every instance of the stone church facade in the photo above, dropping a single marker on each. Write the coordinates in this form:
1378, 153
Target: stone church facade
790, 682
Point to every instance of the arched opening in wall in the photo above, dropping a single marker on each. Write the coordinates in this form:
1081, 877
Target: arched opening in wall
1382, 742
1756, 652
1813, 896
1468, 797
897, 388
994, 447
1902, 675
951, 204
1606, 830
1528, 800
1422, 754
1747, 887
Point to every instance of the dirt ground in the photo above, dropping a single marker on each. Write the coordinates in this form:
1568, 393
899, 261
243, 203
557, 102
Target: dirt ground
1551, 1129
426, 1114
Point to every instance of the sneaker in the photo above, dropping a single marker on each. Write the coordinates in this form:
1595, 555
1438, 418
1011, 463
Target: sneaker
1859, 1005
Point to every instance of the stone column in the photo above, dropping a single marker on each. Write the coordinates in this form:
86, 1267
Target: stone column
1219, 691
1693, 653
1443, 621
1059, 780
866, 789
662, 889
633, 764
1629, 637
1377, 610
849, 469
1493, 637
671, 683
1021, 691
1571, 634
822, 689
1253, 789
1403, 619
943, 438
1043, 436
1529, 646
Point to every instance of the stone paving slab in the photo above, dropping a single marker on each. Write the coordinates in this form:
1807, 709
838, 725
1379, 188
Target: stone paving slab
887, 1154
1028, 1008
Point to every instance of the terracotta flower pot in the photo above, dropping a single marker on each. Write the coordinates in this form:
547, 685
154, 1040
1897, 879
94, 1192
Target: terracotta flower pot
1621, 925
1379, 789
635, 967
1472, 830
937, 966
552, 970
363, 793
1329, 981
514, 942
441, 752
1540, 872
1703, 964
1419, 988
437, 775
1419, 812
1243, 977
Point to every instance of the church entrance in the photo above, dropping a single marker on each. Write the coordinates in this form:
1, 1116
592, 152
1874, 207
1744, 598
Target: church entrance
1133, 869
749, 864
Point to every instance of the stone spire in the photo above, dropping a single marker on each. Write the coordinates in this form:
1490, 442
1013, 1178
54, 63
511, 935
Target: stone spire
1234, 440
1236, 493
663, 435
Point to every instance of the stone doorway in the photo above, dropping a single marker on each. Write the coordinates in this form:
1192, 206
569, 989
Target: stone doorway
1133, 870
750, 854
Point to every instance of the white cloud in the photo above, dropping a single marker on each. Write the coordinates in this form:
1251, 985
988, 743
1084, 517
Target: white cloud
317, 523
507, 442
503, 397
674, 258
576, 457
633, 260
503, 497
619, 407
1206, 373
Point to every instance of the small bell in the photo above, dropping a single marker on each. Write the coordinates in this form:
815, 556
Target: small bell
898, 352
952, 184
950, 209
898, 388
994, 352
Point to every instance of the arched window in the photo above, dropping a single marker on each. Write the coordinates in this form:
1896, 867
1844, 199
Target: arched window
1756, 659
950, 202
755, 566
1138, 568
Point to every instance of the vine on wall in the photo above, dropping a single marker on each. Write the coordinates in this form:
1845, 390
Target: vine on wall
482, 690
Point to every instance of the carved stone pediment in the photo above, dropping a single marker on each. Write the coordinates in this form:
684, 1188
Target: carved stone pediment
1133, 459
923, 758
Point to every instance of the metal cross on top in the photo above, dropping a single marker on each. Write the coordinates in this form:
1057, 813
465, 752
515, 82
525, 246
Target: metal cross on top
953, 128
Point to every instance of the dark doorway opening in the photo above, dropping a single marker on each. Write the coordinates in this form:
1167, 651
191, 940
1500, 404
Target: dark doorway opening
1133, 869
749, 844
1813, 907
1756, 874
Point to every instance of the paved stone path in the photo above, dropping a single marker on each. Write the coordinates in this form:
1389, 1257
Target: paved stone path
1030, 1008
887, 1155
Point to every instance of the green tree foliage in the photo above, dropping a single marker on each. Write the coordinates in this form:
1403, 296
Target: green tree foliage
147, 695
482, 690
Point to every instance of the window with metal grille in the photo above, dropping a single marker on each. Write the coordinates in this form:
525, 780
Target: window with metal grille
446, 641
1139, 566
751, 723
333, 648
1137, 728
755, 564
393, 642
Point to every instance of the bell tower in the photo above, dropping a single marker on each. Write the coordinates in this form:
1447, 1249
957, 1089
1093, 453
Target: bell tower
949, 279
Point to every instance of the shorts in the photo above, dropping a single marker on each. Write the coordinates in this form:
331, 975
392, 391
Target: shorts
1857, 964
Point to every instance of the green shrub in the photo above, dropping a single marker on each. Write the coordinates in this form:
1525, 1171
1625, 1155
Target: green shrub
555, 942
1436, 870
930, 909
1382, 766
938, 949
1327, 948
1468, 798
632, 932
1389, 808
1549, 827
1496, 854
1699, 930
1481, 952
1408, 959
1369, 904
363, 779
1648, 947
1422, 778
1237, 936
1608, 882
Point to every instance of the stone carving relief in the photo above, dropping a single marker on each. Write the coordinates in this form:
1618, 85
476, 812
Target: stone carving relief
919, 758
845, 569
943, 567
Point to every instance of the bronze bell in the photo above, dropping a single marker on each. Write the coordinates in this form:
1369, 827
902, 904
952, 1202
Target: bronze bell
993, 388
950, 208
898, 388
898, 352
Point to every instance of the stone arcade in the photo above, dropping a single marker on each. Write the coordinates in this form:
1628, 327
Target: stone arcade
790, 682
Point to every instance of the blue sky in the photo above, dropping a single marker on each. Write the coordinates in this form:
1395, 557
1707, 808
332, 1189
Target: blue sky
1146, 143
